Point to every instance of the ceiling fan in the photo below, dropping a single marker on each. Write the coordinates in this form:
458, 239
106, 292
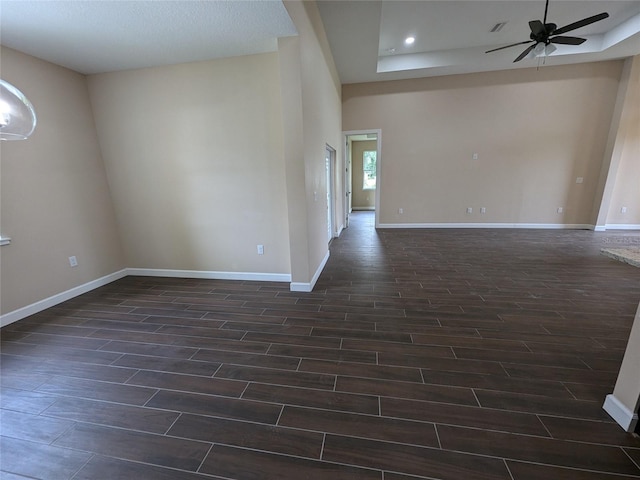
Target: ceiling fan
543, 33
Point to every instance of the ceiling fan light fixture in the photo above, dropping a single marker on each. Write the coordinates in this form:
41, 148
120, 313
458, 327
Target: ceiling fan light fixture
17, 116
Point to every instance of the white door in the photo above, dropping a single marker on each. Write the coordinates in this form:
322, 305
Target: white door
329, 159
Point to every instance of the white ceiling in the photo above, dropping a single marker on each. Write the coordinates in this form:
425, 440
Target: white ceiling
92, 36
452, 36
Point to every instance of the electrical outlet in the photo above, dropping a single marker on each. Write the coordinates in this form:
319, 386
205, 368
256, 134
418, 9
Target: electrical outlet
623, 210
401, 211
469, 210
560, 209
260, 249
483, 210
73, 261
474, 156
579, 180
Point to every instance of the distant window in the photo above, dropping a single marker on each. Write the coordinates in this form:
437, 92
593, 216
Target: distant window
369, 170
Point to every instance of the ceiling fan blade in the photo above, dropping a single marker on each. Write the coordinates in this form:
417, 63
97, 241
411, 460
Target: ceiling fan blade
581, 23
525, 53
536, 26
568, 40
507, 46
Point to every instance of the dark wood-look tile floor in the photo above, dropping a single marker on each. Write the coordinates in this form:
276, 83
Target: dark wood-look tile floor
421, 354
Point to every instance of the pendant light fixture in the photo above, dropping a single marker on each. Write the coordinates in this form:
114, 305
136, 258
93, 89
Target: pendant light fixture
17, 116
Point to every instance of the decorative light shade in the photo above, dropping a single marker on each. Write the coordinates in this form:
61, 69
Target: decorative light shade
17, 116
542, 50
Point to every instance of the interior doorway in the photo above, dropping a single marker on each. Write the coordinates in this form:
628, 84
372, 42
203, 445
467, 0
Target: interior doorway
330, 166
362, 172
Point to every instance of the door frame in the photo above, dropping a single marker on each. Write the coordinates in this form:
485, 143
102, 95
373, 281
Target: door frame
348, 187
330, 155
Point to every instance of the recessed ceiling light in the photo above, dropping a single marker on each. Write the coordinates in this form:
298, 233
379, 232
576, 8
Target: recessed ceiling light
409, 40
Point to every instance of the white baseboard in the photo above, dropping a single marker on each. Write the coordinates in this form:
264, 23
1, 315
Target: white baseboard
622, 226
364, 209
620, 413
211, 275
54, 300
308, 287
558, 226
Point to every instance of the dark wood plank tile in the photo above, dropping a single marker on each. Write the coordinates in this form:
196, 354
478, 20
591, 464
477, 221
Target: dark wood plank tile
462, 415
231, 462
496, 382
589, 431
83, 388
346, 402
100, 466
24, 400
130, 445
386, 388
111, 414
538, 450
106, 373
440, 364
145, 362
225, 407
35, 428
542, 405
531, 471
60, 353
188, 383
412, 460
339, 355
138, 348
369, 426
361, 370
548, 360
293, 339
54, 462
277, 377
249, 359
398, 348
268, 438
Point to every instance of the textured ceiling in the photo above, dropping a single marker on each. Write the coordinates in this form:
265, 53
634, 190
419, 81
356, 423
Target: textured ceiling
92, 36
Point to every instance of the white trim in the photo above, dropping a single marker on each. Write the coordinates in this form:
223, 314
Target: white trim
599, 228
339, 232
378, 132
620, 413
54, 300
5, 241
370, 208
622, 226
574, 226
211, 275
308, 287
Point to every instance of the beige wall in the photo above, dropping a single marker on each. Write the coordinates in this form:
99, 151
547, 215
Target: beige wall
194, 156
55, 198
362, 199
535, 132
314, 102
626, 190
